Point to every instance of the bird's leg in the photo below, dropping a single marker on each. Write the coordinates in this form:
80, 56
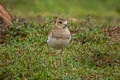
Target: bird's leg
55, 63
61, 56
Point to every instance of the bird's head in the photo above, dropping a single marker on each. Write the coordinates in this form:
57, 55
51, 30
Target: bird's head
60, 22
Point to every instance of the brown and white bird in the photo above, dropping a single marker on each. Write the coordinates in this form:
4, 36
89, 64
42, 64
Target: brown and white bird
59, 36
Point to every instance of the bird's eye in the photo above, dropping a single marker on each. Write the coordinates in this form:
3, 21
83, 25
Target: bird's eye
60, 22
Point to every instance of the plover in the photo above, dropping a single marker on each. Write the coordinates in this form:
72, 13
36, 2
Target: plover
59, 36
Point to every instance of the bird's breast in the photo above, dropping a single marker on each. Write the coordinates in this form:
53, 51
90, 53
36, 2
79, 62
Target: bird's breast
58, 39
58, 43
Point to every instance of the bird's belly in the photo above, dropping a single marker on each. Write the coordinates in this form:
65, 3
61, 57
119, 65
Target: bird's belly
58, 43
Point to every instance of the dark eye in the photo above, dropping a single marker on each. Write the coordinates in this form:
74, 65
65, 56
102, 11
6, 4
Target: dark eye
60, 22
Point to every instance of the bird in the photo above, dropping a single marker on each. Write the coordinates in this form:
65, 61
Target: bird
59, 36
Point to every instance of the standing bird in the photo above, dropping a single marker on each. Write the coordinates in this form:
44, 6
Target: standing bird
59, 36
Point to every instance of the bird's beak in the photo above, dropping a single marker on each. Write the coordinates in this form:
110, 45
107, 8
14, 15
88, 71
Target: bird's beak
66, 25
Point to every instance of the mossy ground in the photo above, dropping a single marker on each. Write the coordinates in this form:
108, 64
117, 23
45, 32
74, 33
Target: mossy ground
93, 54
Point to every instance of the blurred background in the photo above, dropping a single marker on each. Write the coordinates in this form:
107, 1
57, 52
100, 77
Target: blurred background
99, 9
